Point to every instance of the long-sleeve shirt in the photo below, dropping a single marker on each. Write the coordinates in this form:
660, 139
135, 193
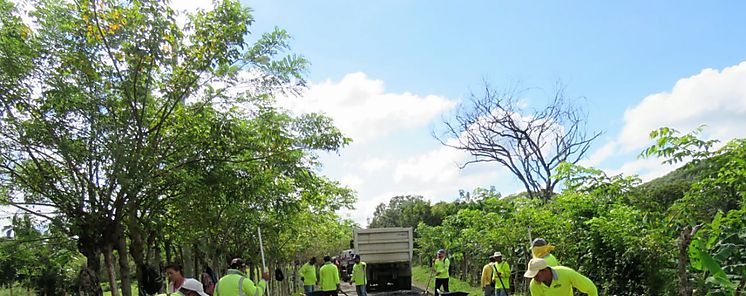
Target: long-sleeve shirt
551, 260
234, 280
487, 274
503, 268
564, 279
308, 272
441, 268
328, 277
359, 275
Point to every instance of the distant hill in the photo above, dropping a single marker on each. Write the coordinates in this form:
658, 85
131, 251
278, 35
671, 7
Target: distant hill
660, 193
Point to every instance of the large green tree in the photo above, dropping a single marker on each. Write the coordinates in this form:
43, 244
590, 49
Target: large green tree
110, 113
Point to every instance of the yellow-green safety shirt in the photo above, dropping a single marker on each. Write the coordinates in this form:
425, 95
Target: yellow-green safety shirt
308, 272
441, 268
563, 281
359, 276
328, 277
228, 285
504, 269
551, 260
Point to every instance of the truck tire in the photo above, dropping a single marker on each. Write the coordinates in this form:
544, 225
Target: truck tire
404, 283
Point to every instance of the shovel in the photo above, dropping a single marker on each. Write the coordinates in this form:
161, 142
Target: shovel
428, 282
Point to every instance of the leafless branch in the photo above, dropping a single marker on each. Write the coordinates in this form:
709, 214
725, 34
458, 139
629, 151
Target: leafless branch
493, 127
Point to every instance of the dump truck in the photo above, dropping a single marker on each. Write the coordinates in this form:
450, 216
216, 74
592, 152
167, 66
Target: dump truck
388, 253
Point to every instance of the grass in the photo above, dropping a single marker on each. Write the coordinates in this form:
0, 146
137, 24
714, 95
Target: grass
421, 274
134, 291
21, 291
17, 291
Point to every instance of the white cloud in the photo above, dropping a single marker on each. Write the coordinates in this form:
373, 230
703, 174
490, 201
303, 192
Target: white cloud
440, 165
352, 181
436, 174
712, 97
600, 155
363, 110
190, 5
375, 164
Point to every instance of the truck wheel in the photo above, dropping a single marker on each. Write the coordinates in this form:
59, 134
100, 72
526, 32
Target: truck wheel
405, 283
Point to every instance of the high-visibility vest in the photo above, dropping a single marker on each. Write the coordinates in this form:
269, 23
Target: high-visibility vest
235, 283
441, 267
308, 272
359, 275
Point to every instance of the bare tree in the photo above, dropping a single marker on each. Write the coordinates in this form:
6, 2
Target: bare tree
493, 127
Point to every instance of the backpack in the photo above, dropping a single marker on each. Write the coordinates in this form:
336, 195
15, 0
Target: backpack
278, 274
151, 280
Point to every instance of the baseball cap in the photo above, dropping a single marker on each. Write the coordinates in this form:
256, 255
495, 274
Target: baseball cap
237, 263
538, 242
497, 254
534, 266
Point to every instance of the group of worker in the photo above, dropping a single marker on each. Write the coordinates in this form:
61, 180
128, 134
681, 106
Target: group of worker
548, 278
233, 283
328, 279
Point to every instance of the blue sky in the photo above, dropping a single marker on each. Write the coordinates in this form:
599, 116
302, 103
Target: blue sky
637, 64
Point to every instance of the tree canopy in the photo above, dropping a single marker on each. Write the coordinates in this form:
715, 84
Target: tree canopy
136, 134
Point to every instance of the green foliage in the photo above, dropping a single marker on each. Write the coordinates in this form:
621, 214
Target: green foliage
421, 275
43, 260
402, 211
718, 251
675, 148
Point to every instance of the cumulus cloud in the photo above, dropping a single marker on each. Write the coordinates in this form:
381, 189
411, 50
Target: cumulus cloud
363, 110
712, 97
374, 164
439, 165
600, 155
715, 98
436, 174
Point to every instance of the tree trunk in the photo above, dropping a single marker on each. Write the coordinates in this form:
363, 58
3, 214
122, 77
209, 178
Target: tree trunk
168, 252
137, 251
88, 278
111, 270
685, 238
124, 266
187, 261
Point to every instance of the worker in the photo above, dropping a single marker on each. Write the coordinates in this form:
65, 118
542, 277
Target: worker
308, 276
360, 276
329, 278
488, 285
175, 275
192, 287
501, 275
540, 249
442, 265
208, 281
235, 282
556, 280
